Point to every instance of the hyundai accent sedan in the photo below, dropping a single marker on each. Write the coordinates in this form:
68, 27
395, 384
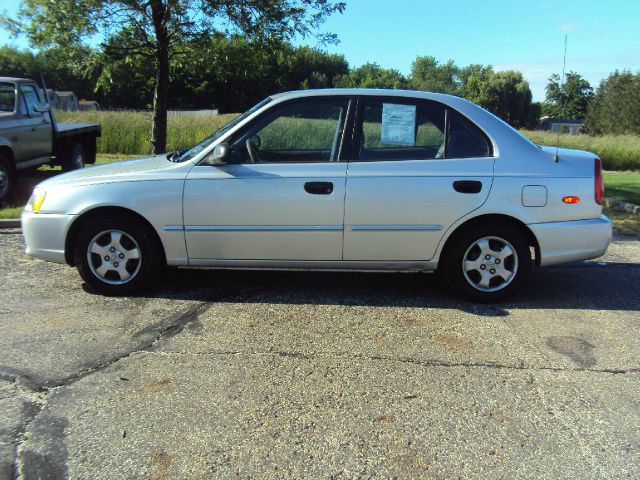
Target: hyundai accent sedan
340, 179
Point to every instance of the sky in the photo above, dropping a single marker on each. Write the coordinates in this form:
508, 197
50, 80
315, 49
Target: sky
524, 35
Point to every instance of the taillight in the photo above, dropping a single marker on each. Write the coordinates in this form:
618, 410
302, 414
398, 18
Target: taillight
598, 186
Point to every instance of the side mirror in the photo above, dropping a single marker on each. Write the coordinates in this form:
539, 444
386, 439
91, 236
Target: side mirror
219, 156
41, 107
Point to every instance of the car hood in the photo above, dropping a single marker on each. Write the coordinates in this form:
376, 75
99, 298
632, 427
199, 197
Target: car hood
149, 168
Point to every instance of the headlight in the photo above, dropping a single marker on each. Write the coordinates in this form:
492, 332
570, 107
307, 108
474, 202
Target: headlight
35, 202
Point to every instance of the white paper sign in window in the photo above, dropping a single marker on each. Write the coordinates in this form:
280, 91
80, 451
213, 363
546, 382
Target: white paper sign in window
398, 124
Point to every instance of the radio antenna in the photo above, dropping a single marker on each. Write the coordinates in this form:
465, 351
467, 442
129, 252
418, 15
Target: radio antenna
564, 64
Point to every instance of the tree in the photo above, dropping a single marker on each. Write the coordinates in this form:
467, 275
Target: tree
569, 100
372, 75
124, 81
615, 108
64, 69
509, 97
474, 82
21, 63
306, 67
154, 27
429, 75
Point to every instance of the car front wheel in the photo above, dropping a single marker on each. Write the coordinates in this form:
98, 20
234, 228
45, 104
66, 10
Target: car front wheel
116, 256
488, 263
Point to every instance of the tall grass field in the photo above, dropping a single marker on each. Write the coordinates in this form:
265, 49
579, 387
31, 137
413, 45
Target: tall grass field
618, 152
130, 133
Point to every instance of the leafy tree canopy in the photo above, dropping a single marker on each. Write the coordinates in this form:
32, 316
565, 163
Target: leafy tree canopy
429, 75
372, 75
615, 108
152, 28
568, 100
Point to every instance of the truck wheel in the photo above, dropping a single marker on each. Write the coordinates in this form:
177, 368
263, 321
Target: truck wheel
116, 256
7, 179
75, 158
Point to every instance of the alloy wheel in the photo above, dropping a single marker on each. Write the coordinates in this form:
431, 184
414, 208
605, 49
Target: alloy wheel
490, 264
114, 257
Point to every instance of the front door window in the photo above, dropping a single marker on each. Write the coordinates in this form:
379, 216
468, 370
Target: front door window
302, 132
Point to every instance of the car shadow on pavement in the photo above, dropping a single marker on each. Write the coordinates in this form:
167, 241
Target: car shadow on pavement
580, 286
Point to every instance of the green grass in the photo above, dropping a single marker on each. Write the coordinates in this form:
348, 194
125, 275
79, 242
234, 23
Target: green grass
624, 186
618, 152
624, 222
130, 132
287, 133
10, 212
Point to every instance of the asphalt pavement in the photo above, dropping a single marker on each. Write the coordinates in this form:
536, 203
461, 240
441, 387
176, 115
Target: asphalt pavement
222, 374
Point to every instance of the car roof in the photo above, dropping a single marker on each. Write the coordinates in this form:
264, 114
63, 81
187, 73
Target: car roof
365, 91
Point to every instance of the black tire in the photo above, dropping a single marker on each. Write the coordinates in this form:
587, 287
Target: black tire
100, 231
7, 179
74, 159
467, 281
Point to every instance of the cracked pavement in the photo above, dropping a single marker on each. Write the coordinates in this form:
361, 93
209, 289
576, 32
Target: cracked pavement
223, 374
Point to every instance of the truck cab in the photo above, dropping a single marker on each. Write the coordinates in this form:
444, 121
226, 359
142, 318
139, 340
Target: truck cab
30, 136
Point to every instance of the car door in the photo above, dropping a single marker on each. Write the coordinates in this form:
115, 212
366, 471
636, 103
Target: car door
419, 167
281, 197
35, 135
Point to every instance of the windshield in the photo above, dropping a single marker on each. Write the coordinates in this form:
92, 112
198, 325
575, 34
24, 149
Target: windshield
196, 149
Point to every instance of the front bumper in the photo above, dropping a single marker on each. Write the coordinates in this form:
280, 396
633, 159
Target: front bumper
562, 242
45, 234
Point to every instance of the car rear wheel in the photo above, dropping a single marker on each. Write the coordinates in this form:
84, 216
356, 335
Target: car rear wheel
116, 256
488, 263
75, 158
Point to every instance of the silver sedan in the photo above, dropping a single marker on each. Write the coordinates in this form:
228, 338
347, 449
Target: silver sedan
342, 179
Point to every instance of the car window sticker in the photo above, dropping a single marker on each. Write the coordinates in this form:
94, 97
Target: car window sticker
398, 124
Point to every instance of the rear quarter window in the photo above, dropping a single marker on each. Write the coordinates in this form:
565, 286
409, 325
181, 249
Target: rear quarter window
464, 139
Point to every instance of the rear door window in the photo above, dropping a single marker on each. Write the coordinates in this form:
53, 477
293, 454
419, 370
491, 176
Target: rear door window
395, 130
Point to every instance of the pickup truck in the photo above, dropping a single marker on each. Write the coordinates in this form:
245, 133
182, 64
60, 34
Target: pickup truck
30, 136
